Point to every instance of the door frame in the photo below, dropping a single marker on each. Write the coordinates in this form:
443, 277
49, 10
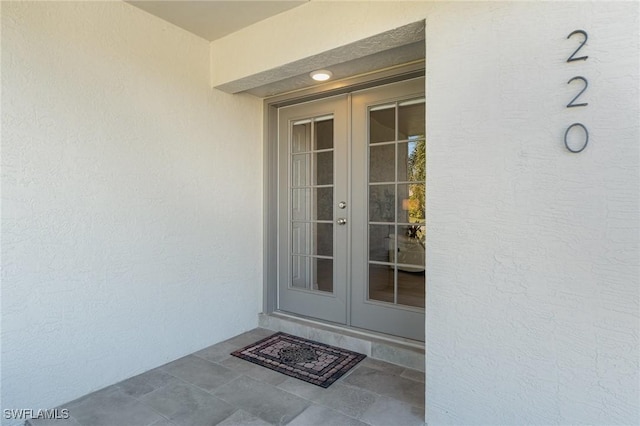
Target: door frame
270, 157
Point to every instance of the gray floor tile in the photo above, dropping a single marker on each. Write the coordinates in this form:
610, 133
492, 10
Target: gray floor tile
245, 339
242, 418
216, 353
52, 422
383, 383
391, 412
254, 371
186, 405
323, 416
382, 366
200, 372
262, 400
211, 387
348, 400
164, 422
412, 358
412, 374
111, 407
145, 383
301, 388
264, 332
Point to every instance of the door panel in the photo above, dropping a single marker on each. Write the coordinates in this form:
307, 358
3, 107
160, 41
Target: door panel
312, 252
388, 181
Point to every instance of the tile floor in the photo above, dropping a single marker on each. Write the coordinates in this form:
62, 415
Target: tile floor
210, 387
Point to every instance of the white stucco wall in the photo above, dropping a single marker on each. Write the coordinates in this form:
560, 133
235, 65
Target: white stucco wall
532, 258
131, 199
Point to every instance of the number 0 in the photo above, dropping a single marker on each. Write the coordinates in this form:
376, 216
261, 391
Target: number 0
586, 137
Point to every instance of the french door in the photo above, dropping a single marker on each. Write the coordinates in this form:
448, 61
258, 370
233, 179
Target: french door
351, 191
313, 238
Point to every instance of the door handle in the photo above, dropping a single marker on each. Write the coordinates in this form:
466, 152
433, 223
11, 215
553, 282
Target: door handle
342, 221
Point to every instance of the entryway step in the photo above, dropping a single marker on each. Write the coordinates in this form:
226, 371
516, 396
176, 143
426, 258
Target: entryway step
396, 350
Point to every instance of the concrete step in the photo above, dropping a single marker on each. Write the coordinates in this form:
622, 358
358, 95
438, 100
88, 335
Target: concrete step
396, 350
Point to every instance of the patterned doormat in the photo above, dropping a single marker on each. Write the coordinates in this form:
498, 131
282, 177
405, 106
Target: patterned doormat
303, 359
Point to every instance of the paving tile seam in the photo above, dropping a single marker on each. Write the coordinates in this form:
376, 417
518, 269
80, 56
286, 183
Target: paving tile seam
202, 389
147, 404
167, 417
332, 409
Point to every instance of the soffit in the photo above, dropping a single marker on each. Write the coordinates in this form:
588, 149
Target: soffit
382, 60
212, 20
395, 47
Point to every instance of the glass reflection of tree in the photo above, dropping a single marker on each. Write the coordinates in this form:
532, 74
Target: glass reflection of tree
417, 165
417, 174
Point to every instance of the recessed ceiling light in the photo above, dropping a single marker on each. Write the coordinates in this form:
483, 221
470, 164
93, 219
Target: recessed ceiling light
321, 75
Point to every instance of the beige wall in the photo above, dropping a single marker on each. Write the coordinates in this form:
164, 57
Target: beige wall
131, 199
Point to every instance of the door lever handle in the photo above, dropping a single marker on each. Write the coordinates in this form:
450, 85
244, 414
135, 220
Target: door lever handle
342, 221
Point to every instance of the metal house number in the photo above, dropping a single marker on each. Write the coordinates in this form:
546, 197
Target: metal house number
577, 127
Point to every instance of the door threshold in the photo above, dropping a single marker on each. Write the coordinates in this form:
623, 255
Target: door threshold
396, 350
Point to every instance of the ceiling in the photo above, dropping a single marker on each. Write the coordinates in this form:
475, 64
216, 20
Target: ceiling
214, 19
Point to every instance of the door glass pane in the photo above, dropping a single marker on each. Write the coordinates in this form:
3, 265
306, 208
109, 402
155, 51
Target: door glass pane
300, 271
382, 163
382, 124
324, 134
312, 238
411, 116
324, 274
300, 169
301, 136
411, 286
301, 204
411, 161
324, 203
323, 165
324, 241
411, 245
381, 283
301, 238
381, 243
411, 203
311, 273
382, 203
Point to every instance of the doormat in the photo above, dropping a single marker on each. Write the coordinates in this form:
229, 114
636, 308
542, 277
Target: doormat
303, 359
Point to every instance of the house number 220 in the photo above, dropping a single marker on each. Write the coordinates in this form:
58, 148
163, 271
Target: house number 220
579, 81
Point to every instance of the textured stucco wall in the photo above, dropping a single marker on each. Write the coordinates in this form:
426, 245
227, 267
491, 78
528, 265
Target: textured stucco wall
131, 199
533, 289
532, 256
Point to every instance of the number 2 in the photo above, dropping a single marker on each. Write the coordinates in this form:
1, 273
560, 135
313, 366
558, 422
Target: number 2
586, 84
581, 58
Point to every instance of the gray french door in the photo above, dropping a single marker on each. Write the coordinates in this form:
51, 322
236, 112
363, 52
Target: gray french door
312, 162
351, 209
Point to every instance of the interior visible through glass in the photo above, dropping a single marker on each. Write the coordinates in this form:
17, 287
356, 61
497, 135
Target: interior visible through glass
397, 203
311, 204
